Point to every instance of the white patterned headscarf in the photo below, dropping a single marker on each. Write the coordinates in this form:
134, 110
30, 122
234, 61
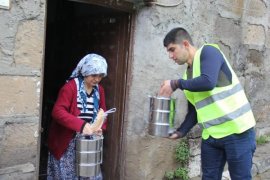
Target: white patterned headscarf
89, 65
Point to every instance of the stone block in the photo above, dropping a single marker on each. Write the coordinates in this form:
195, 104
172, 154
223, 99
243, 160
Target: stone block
231, 8
262, 158
262, 131
253, 35
267, 43
229, 31
19, 95
256, 8
21, 168
22, 172
19, 145
29, 45
195, 132
194, 166
195, 146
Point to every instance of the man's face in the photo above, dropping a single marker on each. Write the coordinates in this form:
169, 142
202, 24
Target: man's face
178, 53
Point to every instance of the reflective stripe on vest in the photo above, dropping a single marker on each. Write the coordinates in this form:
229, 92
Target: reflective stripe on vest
218, 96
228, 117
223, 110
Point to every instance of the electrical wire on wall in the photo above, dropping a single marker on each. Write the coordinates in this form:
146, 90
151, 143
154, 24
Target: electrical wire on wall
158, 3
168, 5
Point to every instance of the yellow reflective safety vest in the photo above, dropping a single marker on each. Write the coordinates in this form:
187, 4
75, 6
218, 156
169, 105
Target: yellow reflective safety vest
222, 111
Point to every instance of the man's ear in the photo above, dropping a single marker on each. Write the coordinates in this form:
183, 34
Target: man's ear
185, 43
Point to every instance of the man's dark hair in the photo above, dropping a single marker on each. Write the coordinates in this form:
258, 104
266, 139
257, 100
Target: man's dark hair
176, 36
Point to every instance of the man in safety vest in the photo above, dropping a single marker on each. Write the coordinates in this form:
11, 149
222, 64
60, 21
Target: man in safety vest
217, 102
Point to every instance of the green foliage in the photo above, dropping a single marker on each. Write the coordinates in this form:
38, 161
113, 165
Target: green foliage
169, 175
263, 139
182, 152
181, 173
182, 157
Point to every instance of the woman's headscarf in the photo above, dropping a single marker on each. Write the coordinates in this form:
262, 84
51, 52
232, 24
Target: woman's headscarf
89, 65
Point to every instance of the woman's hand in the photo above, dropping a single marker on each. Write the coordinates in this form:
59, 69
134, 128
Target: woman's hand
89, 130
98, 132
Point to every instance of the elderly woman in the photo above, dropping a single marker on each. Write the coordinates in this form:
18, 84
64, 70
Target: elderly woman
75, 110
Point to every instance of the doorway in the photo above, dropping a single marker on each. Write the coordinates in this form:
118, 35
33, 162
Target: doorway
73, 30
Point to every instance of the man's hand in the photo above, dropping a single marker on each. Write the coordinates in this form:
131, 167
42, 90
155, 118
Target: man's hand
176, 135
165, 89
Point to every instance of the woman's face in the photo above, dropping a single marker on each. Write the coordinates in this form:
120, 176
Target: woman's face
93, 79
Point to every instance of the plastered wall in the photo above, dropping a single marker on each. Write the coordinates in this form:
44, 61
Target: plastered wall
241, 28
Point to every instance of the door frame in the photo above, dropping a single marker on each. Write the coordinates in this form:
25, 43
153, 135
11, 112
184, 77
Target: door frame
118, 161
126, 97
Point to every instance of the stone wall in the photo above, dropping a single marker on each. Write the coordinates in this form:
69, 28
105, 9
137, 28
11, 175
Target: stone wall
241, 28
21, 53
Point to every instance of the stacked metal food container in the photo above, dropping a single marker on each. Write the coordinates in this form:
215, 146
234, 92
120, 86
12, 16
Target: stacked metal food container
161, 116
89, 155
